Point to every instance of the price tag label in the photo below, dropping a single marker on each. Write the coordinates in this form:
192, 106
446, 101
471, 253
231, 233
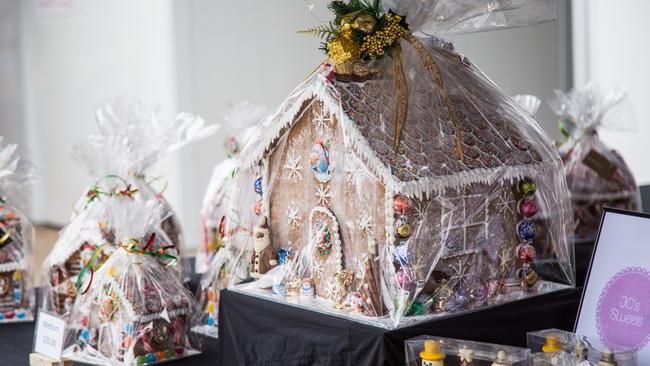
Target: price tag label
49, 335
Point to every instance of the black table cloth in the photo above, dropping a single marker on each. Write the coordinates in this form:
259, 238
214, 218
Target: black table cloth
255, 331
16, 341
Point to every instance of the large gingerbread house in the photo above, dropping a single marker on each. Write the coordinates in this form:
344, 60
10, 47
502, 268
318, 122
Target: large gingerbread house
408, 187
16, 236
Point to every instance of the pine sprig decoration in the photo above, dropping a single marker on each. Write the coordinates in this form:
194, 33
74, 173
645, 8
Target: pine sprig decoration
360, 31
322, 31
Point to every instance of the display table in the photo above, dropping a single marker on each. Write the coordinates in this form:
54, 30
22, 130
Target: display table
254, 331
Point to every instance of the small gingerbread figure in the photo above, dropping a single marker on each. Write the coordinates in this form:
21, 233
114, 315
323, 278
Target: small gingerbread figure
264, 257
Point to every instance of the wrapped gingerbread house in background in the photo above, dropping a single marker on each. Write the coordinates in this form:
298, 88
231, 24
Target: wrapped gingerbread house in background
239, 124
16, 238
121, 157
86, 238
399, 183
134, 309
597, 175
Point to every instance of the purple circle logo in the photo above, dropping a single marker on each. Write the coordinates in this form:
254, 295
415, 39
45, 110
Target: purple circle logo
623, 311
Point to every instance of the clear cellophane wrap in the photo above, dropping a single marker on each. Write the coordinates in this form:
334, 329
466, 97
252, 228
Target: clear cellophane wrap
411, 190
238, 125
123, 154
133, 310
597, 176
17, 299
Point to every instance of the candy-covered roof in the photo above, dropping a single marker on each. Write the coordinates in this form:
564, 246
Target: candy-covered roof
498, 140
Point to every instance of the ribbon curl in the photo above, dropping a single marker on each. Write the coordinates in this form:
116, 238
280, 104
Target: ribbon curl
131, 246
96, 192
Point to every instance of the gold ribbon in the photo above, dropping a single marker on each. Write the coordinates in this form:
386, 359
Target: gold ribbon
402, 96
402, 90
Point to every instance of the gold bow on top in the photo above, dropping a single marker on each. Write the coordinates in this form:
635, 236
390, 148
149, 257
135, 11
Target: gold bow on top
361, 32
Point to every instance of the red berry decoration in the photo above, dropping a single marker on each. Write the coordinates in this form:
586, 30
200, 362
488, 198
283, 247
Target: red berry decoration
402, 205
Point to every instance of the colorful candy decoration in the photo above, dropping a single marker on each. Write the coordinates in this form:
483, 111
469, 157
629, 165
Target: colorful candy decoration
319, 160
257, 187
402, 206
527, 207
527, 230
527, 187
324, 244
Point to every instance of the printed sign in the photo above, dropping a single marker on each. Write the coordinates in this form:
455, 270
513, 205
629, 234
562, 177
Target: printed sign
49, 335
615, 304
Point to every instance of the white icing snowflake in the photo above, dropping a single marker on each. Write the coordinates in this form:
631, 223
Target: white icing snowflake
322, 120
293, 215
317, 269
323, 194
330, 290
293, 165
365, 223
505, 203
460, 271
420, 211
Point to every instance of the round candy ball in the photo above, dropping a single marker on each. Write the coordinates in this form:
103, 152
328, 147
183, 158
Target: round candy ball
258, 207
404, 230
526, 252
402, 205
527, 207
258, 186
527, 187
526, 229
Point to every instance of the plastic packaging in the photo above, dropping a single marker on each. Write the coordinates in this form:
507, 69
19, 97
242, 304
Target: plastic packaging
239, 124
529, 103
16, 237
439, 351
133, 310
597, 176
559, 347
401, 190
121, 157
87, 240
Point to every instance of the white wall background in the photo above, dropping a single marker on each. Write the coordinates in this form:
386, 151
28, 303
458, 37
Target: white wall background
613, 51
201, 56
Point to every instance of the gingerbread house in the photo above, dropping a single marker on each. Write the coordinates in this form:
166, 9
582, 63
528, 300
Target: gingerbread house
16, 236
133, 309
16, 294
597, 175
123, 155
135, 312
442, 198
87, 237
238, 121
